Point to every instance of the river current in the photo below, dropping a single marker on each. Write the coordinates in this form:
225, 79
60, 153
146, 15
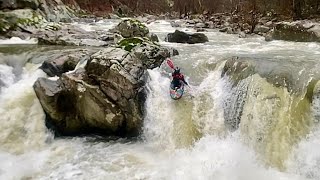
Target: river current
276, 136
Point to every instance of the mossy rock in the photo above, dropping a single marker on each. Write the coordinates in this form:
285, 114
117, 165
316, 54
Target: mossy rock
129, 43
11, 21
7, 24
132, 28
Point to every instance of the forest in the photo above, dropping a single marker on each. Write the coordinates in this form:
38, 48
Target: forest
296, 9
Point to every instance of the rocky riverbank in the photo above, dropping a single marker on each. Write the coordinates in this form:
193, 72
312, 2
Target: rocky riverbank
271, 27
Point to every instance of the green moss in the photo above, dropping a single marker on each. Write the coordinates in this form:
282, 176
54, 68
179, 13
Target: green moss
9, 22
129, 43
137, 23
5, 26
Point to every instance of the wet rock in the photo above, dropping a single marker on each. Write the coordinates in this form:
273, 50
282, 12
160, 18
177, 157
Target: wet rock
131, 28
200, 25
224, 29
106, 97
177, 23
238, 69
19, 19
268, 36
261, 29
70, 35
296, 32
201, 30
73, 106
209, 24
113, 16
153, 37
67, 61
242, 34
182, 37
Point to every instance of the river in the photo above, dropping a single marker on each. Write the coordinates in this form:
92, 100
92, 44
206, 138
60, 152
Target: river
252, 130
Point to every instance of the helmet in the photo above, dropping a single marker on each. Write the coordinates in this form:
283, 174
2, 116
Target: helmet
177, 70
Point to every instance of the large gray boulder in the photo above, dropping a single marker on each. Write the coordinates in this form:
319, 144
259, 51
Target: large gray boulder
182, 37
107, 96
73, 36
131, 28
73, 106
296, 31
18, 20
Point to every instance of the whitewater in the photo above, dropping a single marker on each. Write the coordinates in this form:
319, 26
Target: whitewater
274, 138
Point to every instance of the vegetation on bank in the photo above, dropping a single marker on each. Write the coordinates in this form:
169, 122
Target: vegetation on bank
295, 9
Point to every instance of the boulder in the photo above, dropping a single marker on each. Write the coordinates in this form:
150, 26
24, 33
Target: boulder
65, 62
131, 28
106, 97
261, 29
73, 106
182, 37
70, 35
296, 31
19, 19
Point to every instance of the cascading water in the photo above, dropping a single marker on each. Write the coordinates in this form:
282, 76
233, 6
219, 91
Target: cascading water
261, 124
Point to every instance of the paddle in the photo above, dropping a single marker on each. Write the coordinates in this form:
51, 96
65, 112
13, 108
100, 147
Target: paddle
170, 63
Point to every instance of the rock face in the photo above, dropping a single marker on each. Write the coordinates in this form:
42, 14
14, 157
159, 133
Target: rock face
182, 37
19, 4
23, 15
297, 31
106, 96
131, 28
70, 35
65, 62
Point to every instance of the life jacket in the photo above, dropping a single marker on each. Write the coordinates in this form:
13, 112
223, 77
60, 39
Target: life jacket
178, 76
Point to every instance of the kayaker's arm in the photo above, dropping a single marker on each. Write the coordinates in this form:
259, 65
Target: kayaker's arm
184, 81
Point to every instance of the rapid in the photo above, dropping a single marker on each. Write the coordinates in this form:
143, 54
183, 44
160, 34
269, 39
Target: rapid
218, 130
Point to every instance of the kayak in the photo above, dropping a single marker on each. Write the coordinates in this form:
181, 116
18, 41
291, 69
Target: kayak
176, 93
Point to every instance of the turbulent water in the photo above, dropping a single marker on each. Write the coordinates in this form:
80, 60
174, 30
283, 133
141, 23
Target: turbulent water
218, 130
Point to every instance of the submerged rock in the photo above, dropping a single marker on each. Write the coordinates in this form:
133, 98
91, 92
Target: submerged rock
182, 37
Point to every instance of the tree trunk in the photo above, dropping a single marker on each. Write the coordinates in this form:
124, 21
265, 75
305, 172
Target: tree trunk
297, 13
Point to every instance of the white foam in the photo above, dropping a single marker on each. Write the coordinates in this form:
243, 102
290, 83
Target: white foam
17, 40
305, 159
22, 166
6, 75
